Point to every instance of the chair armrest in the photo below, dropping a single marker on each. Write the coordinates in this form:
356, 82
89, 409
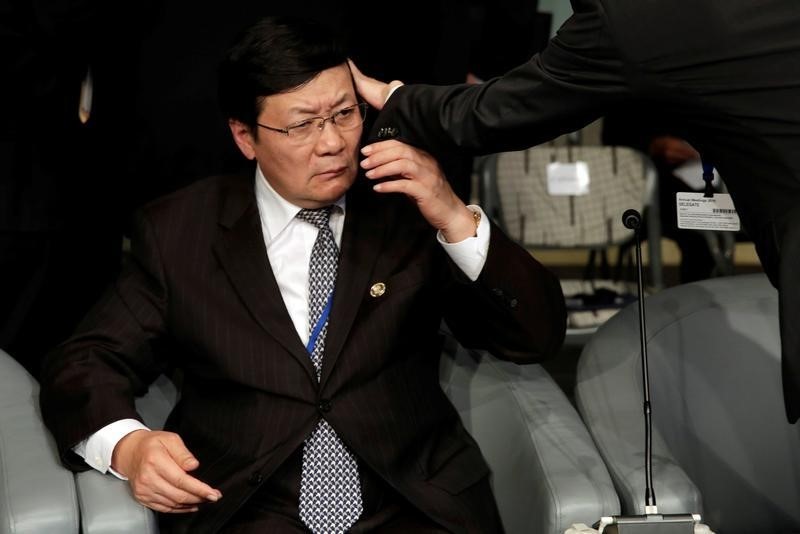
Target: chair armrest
621, 444
609, 397
546, 472
108, 507
37, 494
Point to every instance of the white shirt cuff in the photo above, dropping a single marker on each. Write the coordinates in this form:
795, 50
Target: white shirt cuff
470, 254
98, 448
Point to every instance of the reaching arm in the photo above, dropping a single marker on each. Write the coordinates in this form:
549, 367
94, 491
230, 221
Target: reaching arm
572, 82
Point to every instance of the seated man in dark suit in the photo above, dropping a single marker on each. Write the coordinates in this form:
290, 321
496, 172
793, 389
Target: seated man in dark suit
302, 407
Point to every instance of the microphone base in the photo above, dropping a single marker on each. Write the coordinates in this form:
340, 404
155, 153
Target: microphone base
649, 524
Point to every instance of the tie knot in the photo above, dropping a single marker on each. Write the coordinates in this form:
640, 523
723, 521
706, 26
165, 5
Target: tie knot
319, 217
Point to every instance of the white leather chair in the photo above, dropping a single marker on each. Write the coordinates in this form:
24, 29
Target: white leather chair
37, 495
546, 472
513, 190
721, 446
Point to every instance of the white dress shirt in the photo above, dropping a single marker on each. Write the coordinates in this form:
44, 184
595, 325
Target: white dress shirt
289, 242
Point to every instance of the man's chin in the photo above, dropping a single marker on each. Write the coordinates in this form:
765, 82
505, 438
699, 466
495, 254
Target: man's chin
335, 188
327, 194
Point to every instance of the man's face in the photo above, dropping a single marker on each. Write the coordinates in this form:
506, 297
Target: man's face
318, 171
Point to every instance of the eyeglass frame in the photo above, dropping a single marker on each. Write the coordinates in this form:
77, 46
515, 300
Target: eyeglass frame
361, 106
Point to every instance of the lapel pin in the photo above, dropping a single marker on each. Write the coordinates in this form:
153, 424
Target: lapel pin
377, 289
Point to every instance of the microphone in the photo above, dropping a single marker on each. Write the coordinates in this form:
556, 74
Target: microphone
632, 220
652, 522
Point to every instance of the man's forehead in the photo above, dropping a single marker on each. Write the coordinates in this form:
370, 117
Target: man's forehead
329, 89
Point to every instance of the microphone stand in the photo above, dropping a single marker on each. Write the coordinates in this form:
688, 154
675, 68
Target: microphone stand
631, 219
652, 522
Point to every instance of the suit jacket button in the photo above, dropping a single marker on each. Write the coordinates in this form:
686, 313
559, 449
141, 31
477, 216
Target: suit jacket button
324, 406
255, 479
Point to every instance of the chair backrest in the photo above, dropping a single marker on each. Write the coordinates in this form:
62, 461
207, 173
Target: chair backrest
722, 446
620, 178
514, 192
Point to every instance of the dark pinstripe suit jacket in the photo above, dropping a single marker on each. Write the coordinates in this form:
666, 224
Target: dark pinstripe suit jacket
200, 282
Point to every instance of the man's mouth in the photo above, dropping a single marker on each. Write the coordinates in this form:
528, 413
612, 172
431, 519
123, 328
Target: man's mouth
331, 173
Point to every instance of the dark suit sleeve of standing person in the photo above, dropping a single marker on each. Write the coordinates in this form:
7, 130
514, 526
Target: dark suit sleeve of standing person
91, 379
515, 309
572, 82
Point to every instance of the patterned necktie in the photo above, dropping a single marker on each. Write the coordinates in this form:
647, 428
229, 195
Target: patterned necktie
330, 488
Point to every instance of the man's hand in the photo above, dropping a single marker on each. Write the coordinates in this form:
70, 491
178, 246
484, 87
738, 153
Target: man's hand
416, 174
156, 464
672, 150
375, 92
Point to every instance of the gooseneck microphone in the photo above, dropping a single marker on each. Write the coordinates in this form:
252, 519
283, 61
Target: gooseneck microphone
652, 522
632, 219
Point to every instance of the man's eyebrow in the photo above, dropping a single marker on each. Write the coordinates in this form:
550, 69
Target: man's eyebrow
303, 109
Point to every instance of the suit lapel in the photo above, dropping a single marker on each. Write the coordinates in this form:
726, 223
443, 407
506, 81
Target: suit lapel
361, 243
241, 251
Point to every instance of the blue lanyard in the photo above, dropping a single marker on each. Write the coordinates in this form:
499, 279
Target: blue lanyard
323, 318
708, 177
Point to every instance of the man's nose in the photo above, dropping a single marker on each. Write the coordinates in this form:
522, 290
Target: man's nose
330, 137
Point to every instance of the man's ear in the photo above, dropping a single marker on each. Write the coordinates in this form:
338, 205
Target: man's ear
243, 138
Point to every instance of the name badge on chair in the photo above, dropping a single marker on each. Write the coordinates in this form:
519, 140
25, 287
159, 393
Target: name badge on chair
697, 212
567, 178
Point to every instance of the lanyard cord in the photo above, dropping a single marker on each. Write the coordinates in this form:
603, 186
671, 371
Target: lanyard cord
323, 318
708, 177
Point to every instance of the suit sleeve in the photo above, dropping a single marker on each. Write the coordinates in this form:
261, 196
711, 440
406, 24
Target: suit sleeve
91, 379
515, 309
572, 82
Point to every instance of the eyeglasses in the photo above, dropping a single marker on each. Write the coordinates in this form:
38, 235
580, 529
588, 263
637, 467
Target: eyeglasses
305, 131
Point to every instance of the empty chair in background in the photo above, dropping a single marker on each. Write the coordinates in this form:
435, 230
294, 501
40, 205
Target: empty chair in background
514, 190
721, 445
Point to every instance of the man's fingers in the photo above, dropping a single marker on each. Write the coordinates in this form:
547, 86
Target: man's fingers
385, 151
160, 479
370, 89
399, 168
188, 462
375, 92
178, 451
173, 497
178, 479
407, 187
170, 497
166, 509
164, 494
382, 146
397, 158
